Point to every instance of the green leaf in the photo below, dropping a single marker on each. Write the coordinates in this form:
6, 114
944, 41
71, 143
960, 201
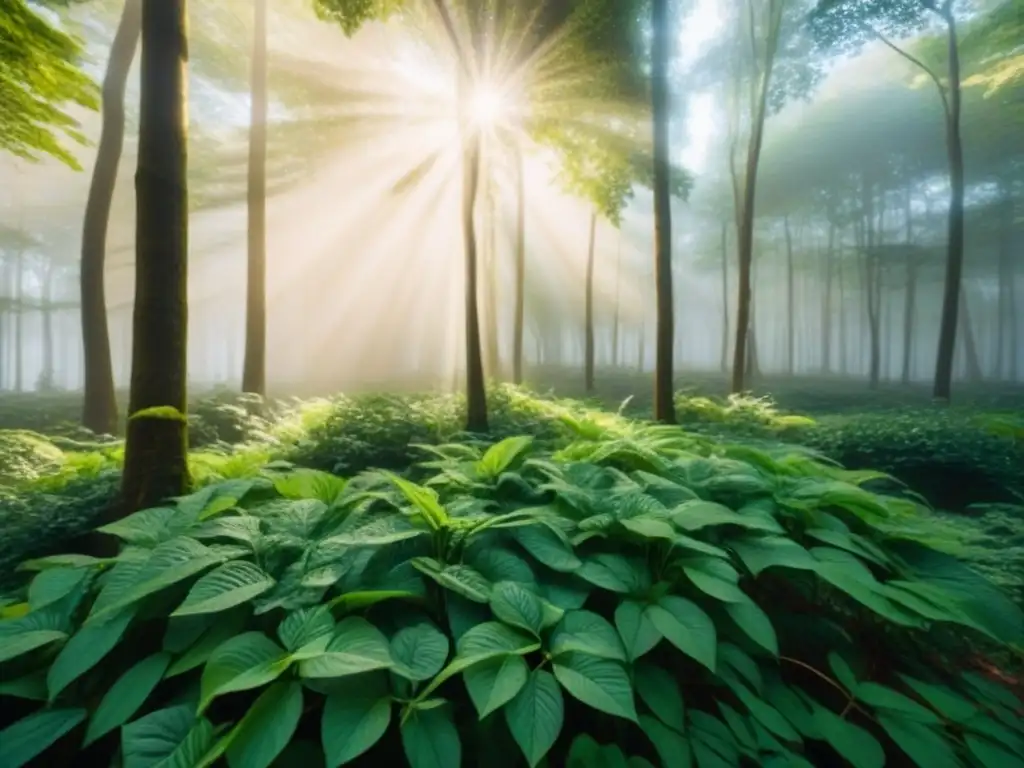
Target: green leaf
943, 699
886, 699
15, 645
853, 743
355, 717
548, 547
419, 651
357, 646
672, 747
430, 739
493, 683
305, 626
751, 619
84, 650
124, 698
760, 553
715, 578
614, 573
169, 738
500, 456
225, 587
694, 515
990, 755
924, 745
535, 716
31, 686
423, 499
649, 528
53, 585
660, 691
598, 683
687, 627
31, 736
844, 674
766, 714
514, 604
589, 633
638, 633
267, 727
460, 579
242, 663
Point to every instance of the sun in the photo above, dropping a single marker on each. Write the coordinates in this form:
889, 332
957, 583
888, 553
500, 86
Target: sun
487, 106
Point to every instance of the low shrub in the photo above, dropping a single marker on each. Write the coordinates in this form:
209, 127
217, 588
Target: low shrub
26, 455
645, 595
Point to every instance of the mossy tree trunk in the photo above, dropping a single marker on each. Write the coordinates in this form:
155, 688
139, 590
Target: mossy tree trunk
520, 265
155, 465
99, 411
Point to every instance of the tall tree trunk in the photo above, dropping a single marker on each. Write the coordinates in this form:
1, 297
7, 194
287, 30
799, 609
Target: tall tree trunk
19, 322
517, 342
826, 304
1005, 271
664, 405
46, 374
910, 293
843, 337
99, 412
943, 387
724, 357
615, 315
490, 277
588, 352
641, 351
790, 303
476, 392
155, 465
971, 357
254, 367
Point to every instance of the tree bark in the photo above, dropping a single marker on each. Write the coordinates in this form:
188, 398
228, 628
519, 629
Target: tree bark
19, 322
724, 357
155, 465
517, 341
46, 373
588, 352
616, 321
790, 303
476, 392
943, 385
99, 412
254, 367
826, 304
664, 405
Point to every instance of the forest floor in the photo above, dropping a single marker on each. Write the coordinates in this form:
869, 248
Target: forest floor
966, 461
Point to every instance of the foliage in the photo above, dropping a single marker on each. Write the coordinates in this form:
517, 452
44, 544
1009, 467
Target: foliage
39, 80
25, 455
545, 601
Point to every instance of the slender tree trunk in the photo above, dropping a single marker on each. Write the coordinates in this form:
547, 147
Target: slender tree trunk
1005, 281
826, 304
254, 366
476, 392
46, 375
971, 357
155, 465
943, 387
843, 344
517, 342
909, 294
664, 405
615, 315
588, 353
99, 411
490, 277
723, 361
19, 322
641, 351
790, 303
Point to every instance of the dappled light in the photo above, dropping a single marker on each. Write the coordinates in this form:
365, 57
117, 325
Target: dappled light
512, 383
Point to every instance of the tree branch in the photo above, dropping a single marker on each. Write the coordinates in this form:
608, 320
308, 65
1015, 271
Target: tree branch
913, 60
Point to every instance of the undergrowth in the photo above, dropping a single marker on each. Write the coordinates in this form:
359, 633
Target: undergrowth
641, 595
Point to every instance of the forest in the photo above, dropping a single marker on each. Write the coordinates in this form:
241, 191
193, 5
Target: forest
512, 383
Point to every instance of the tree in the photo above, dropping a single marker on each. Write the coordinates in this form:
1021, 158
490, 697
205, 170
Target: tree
155, 463
39, 80
848, 25
254, 375
100, 403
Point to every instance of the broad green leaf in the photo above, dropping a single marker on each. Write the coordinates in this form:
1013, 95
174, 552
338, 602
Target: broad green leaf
858, 747
535, 716
615, 573
267, 727
672, 747
424, 499
660, 691
84, 650
589, 633
460, 579
31, 686
638, 633
737, 659
53, 585
516, 605
124, 698
225, 587
888, 700
989, 754
687, 627
419, 651
843, 672
70, 560
500, 456
695, 515
760, 553
304, 483
922, 743
751, 619
943, 699
169, 738
355, 717
649, 528
226, 626
430, 739
304, 626
242, 663
493, 683
357, 646
548, 547
715, 578
23, 740
599, 683
493, 638
16, 645
740, 725
149, 527
766, 714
